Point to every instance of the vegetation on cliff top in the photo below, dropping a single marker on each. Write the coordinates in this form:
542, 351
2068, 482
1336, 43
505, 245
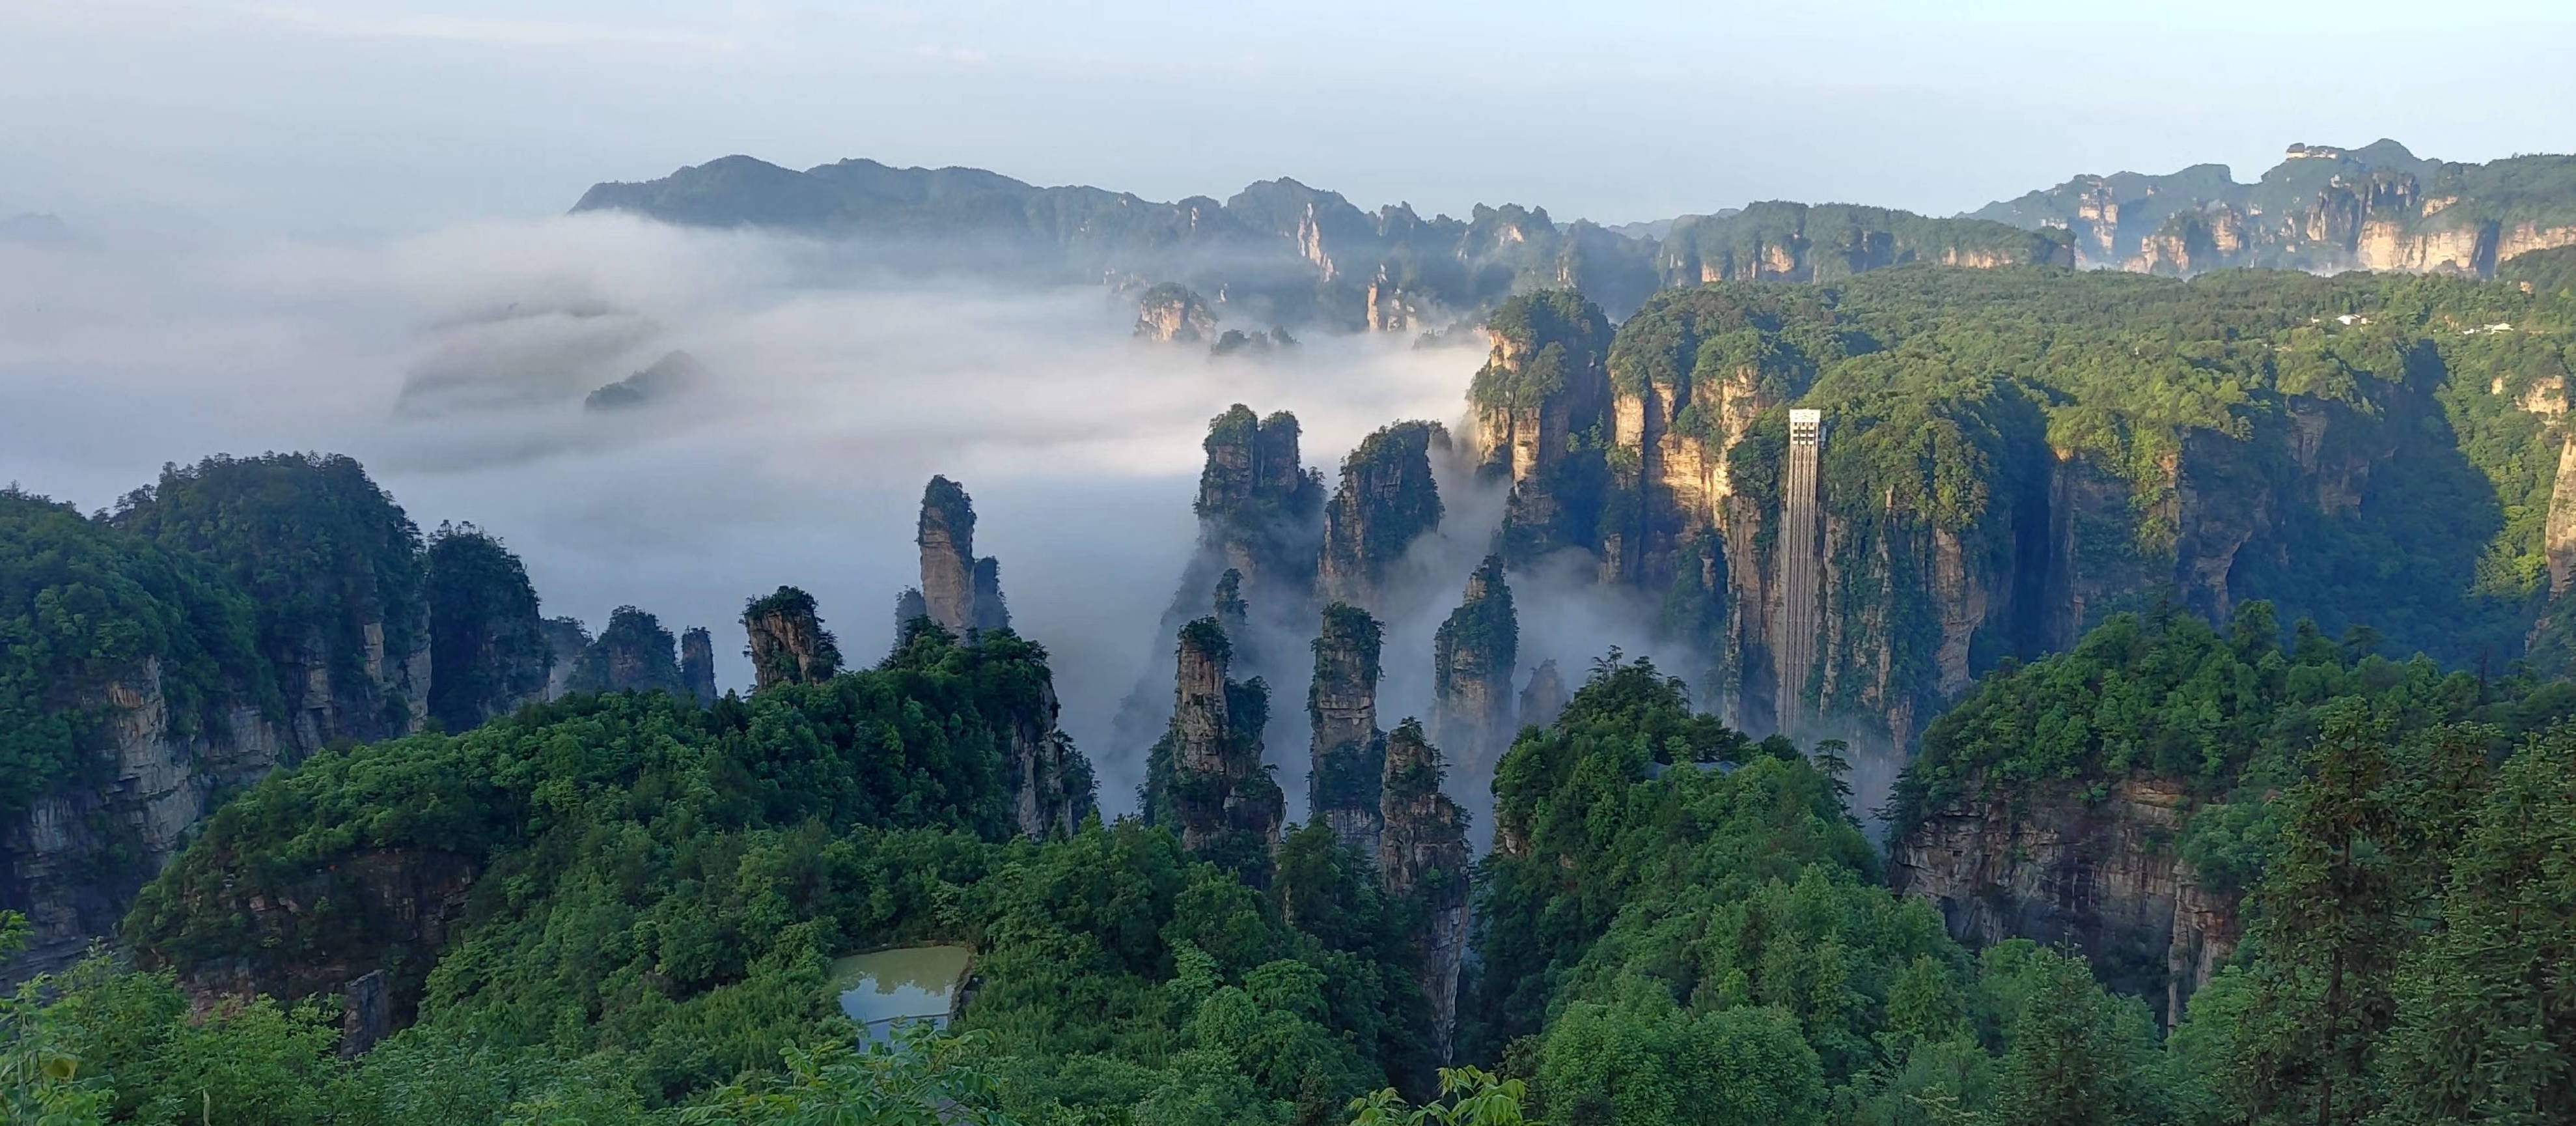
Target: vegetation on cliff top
84, 604
487, 642
319, 548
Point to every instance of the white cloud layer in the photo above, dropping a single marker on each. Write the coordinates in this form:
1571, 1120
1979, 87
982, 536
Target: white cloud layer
454, 365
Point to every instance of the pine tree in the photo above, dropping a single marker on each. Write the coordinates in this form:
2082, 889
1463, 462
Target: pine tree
2328, 931
2486, 1028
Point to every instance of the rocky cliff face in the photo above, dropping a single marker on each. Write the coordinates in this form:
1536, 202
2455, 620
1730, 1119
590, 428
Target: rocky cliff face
947, 541
1423, 859
1386, 501
788, 643
1341, 706
1474, 656
1050, 780
326, 930
323, 591
73, 860
1260, 515
698, 664
2322, 208
2104, 876
1780, 241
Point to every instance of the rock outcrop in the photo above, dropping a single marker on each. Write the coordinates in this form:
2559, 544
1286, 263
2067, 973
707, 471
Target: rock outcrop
340, 601
74, 858
959, 591
1349, 752
992, 612
788, 644
698, 664
1260, 517
1474, 655
1170, 313
1206, 777
487, 643
232, 618
1050, 781
324, 931
634, 654
1386, 501
1423, 858
2051, 866
1782, 241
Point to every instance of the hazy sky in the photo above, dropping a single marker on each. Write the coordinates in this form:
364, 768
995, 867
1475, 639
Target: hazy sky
373, 116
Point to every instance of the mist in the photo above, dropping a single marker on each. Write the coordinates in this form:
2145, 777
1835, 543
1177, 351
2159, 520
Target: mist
455, 365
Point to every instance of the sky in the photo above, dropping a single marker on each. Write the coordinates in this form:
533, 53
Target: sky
367, 117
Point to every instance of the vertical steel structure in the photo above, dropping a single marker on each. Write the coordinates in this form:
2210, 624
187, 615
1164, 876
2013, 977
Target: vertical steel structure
1793, 640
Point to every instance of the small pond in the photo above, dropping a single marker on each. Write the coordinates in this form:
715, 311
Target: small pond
891, 987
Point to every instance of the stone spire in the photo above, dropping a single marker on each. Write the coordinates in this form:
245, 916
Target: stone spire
1423, 856
1387, 500
991, 613
698, 664
1349, 751
959, 591
1206, 777
1545, 697
1473, 656
947, 540
788, 642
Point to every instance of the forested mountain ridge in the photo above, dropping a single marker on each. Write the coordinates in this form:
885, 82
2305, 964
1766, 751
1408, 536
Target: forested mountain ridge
1280, 252
2378, 207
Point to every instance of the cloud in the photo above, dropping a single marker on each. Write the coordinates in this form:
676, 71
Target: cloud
454, 365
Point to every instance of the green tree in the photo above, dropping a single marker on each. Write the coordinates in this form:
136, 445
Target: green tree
2328, 931
2486, 1013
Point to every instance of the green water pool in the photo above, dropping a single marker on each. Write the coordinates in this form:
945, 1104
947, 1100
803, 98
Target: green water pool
888, 988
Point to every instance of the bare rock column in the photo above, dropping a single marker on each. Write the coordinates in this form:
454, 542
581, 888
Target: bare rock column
1349, 750
1423, 857
1473, 656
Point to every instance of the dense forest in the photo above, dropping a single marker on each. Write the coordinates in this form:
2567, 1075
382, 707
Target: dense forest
1678, 923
